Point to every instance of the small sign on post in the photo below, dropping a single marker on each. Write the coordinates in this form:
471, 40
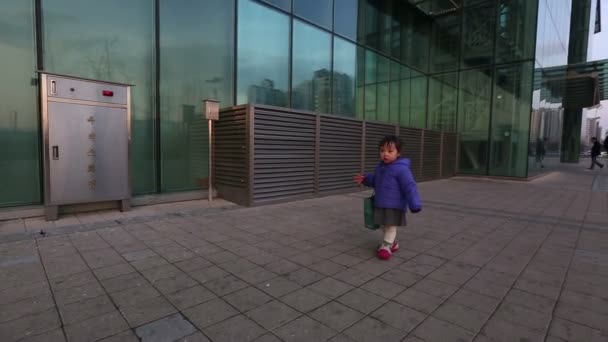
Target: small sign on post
211, 111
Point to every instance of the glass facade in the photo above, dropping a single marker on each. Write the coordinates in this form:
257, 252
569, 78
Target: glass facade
20, 181
547, 116
478, 67
196, 53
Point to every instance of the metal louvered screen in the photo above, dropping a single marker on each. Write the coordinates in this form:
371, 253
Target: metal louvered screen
449, 155
411, 147
231, 155
431, 156
284, 155
267, 154
373, 134
339, 153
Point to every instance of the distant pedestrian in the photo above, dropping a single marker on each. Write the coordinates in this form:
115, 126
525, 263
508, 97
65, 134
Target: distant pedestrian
606, 143
395, 191
596, 150
540, 151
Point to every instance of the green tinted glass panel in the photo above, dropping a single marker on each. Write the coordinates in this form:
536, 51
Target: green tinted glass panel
515, 37
318, 11
371, 67
282, 4
370, 102
20, 181
110, 40
445, 43
418, 101
346, 18
443, 97
383, 102
394, 109
478, 35
196, 58
511, 120
474, 106
263, 55
344, 75
404, 102
311, 72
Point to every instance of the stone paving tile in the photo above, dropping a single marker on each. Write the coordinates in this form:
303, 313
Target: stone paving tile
73, 280
336, 316
49, 336
503, 331
475, 300
372, 330
305, 329
174, 284
225, 285
238, 328
196, 337
353, 277
273, 314
523, 316
113, 271
97, 327
156, 273
123, 282
210, 313
383, 288
402, 278
102, 258
278, 287
436, 288
267, 338
84, 310
399, 316
193, 264
30, 325
191, 297
418, 300
208, 274
15, 310
436, 330
152, 262
23, 292
304, 300
582, 316
247, 299
79, 293
125, 336
133, 295
465, 317
362, 300
256, 275
282, 266
167, 329
147, 310
304, 276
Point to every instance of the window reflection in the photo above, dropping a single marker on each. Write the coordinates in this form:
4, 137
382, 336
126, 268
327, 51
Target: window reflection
196, 51
317, 11
345, 70
19, 164
311, 68
263, 55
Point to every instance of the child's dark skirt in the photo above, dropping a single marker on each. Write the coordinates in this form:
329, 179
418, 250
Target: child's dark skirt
389, 217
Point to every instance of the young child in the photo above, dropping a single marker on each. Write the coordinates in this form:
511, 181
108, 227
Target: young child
395, 192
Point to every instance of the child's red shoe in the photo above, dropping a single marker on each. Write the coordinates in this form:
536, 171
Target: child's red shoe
384, 252
394, 247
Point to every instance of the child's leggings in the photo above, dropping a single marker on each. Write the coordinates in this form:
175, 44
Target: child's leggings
390, 233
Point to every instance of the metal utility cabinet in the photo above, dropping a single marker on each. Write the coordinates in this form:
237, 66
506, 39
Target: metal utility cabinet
86, 139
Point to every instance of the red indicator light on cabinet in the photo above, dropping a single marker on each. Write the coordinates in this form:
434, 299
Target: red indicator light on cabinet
107, 93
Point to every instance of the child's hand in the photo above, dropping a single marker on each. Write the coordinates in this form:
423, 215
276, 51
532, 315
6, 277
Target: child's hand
359, 179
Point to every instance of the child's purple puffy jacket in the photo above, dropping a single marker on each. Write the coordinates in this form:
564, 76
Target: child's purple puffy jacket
394, 186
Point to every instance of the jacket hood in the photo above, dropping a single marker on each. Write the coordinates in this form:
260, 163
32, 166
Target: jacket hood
402, 162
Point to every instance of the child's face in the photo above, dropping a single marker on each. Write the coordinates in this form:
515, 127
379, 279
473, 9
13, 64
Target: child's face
389, 153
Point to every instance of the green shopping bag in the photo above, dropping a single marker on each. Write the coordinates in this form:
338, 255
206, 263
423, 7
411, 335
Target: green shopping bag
368, 212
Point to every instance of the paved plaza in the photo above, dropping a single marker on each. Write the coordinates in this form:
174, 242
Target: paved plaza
485, 260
